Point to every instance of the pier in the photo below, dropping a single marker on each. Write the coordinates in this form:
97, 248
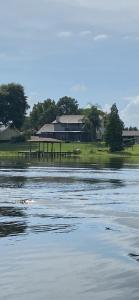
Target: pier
45, 148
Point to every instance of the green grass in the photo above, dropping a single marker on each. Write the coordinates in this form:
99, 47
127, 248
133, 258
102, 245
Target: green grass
87, 150
9, 149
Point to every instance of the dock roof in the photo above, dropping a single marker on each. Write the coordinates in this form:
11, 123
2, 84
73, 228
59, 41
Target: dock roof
44, 140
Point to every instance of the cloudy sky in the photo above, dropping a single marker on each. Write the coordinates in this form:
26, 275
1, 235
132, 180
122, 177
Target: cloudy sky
87, 49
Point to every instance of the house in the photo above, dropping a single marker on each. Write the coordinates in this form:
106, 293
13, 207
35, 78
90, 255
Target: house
68, 128
8, 132
131, 136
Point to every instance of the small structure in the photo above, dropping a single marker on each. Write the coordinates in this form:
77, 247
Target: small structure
45, 148
131, 136
42, 141
8, 132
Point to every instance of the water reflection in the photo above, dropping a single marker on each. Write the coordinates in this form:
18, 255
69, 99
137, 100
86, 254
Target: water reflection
12, 211
58, 228
116, 163
56, 216
12, 228
97, 162
76, 222
12, 181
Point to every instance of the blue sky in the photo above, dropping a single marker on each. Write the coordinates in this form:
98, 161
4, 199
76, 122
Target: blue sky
87, 49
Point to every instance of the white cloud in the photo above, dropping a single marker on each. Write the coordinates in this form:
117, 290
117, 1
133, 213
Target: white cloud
130, 114
42, 19
101, 37
65, 34
131, 38
79, 88
85, 33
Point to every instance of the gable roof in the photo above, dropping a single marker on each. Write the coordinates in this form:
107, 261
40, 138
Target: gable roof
46, 128
3, 128
69, 119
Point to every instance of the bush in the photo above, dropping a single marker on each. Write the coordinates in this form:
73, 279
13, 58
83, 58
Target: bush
18, 139
76, 151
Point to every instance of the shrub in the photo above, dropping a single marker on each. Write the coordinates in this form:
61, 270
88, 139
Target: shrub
77, 151
18, 139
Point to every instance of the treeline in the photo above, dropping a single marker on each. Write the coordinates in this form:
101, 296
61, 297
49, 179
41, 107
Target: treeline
14, 106
46, 111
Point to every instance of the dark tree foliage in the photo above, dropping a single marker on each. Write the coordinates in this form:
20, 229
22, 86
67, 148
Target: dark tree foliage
13, 104
92, 122
42, 113
132, 128
114, 129
67, 106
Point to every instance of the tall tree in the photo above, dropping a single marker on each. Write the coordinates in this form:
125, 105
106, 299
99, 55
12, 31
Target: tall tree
13, 104
114, 129
43, 112
92, 122
67, 106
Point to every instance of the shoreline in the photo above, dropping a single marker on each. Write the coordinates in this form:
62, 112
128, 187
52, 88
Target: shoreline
80, 150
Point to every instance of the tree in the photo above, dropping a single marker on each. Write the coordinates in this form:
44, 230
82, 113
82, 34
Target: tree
114, 129
133, 128
67, 106
43, 112
92, 122
13, 104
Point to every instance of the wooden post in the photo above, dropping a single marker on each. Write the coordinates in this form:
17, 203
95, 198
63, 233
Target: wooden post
51, 147
30, 148
43, 148
60, 148
39, 150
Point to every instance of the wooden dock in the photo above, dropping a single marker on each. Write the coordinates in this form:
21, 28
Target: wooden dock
42, 154
41, 150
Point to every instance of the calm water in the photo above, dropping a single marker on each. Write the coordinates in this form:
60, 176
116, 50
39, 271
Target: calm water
69, 231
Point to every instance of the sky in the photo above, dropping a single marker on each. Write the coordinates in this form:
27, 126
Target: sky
85, 49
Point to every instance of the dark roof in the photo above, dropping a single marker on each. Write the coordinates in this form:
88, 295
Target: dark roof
131, 133
69, 119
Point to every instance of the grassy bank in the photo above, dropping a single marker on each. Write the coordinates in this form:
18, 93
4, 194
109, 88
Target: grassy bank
87, 150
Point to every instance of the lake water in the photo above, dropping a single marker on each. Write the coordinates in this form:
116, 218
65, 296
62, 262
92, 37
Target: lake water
69, 230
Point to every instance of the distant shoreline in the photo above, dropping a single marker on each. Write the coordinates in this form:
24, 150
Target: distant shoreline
82, 150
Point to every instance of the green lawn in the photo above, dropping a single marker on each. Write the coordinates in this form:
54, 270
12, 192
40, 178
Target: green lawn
86, 149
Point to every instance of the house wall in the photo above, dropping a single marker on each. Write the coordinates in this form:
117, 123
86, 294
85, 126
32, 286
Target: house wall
59, 127
68, 127
127, 139
73, 127
8, 133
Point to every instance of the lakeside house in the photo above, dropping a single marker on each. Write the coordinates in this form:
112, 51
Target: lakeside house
8, 132
131, 136
68, 128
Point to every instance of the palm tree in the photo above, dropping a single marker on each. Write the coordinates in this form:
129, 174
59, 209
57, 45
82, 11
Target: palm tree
92, 122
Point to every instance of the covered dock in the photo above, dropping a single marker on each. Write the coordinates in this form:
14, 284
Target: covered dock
45, 147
